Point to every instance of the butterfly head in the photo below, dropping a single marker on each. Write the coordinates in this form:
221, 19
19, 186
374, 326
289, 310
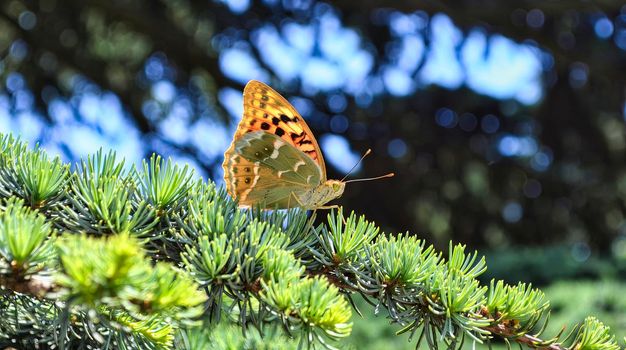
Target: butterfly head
335, 188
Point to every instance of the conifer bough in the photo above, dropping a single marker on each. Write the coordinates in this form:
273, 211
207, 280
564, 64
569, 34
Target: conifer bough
100, 255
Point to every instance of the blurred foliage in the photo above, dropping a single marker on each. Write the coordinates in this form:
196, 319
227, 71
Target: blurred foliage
476, 160
542, 266
227, 336
603, 299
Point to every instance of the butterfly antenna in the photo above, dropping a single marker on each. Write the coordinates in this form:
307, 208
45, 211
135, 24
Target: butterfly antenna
372, 178
369, 150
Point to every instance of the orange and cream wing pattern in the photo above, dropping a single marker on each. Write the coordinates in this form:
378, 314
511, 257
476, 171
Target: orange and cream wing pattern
265, 109
264, 169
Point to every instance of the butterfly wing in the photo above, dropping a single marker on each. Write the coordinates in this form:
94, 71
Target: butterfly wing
262, 168
265, 109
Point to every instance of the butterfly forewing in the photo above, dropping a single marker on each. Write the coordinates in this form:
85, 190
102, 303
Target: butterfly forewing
264, 169
266, 110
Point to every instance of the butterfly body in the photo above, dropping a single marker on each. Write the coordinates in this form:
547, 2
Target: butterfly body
274, 160
322, 194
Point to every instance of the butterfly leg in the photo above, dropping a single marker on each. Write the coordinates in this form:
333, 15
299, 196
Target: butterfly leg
312, 217
330, 207
297, 200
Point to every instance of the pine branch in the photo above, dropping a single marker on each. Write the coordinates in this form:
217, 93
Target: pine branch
110, 257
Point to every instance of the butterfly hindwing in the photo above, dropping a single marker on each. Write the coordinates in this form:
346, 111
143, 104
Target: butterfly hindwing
266, 110
262, 168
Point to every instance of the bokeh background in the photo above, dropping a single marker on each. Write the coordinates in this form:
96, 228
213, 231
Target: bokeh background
504, 121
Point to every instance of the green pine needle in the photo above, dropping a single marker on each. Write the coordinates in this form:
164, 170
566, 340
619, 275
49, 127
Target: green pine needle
520, 302
153, 332
211, 261
595, 336
164, 184
402, 261
323, 307
42, 179
344, 239
115, 272
100, 271
25, 240
102, 200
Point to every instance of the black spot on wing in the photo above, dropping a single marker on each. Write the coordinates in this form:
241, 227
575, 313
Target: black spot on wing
285, 118
302, 142
279, 132
265, 126
275, 121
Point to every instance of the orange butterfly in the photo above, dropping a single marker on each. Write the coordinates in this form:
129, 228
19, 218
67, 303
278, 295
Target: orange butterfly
274, 160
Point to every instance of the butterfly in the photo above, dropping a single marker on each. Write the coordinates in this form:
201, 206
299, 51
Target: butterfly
274, 160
